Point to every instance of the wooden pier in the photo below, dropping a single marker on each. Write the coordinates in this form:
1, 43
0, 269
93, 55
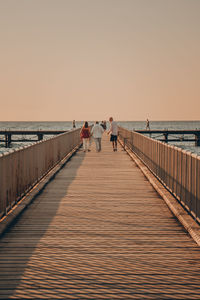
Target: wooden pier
99, 231
180, 135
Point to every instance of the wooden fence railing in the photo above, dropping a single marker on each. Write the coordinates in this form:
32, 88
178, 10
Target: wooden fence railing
21, 169
177, 169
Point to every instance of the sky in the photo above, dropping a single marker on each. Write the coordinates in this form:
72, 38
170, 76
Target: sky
92, 59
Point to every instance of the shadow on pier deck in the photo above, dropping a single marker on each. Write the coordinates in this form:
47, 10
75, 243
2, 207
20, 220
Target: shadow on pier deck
99, 231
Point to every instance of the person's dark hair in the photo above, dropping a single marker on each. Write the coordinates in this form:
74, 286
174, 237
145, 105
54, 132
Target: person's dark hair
86, 124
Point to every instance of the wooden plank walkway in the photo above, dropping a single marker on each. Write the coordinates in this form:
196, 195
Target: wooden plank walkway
99, 231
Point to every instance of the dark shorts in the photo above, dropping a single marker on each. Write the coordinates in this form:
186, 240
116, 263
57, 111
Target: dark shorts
113, 138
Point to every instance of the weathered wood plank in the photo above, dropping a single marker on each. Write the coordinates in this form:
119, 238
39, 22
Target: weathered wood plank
99, 231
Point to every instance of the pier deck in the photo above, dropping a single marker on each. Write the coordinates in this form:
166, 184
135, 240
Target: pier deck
99, 231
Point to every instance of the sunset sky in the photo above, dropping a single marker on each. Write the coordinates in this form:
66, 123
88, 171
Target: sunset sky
89, 59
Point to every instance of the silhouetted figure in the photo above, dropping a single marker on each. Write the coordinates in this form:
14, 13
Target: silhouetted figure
103, 124
74, 124
147, 124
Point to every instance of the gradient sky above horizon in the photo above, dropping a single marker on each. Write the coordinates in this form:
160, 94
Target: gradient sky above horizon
90, 59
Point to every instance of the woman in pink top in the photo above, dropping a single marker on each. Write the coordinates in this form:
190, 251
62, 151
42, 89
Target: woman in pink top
85, 136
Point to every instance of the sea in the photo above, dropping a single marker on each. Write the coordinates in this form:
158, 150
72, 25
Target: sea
131, 125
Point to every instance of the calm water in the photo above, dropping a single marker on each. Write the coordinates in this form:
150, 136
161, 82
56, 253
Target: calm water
129, 125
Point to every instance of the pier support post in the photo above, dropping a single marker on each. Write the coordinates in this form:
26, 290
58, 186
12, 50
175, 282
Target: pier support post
165, 137
40, 136
8, 140
197, 140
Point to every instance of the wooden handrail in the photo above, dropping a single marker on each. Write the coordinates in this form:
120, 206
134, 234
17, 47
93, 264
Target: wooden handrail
177, 169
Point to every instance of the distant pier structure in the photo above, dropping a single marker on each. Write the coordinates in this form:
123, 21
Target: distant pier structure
21, 135
12, 136
174, 135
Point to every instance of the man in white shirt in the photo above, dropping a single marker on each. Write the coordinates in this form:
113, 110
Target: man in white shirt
113, 133
97, 132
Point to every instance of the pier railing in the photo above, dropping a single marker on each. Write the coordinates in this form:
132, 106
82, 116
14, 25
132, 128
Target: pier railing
177, 169
21, 169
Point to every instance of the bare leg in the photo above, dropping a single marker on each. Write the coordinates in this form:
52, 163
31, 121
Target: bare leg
99, 139
113, 144
96, 143
116, 145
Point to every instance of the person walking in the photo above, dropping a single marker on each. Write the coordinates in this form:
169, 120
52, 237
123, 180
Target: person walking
85, 136
147, 124
113, 131
97, 132
103, 124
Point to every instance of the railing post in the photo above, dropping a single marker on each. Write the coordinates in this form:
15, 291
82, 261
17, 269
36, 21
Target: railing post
8, 140
166, 137
198, 189
125, 139
194, 184
40, 136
